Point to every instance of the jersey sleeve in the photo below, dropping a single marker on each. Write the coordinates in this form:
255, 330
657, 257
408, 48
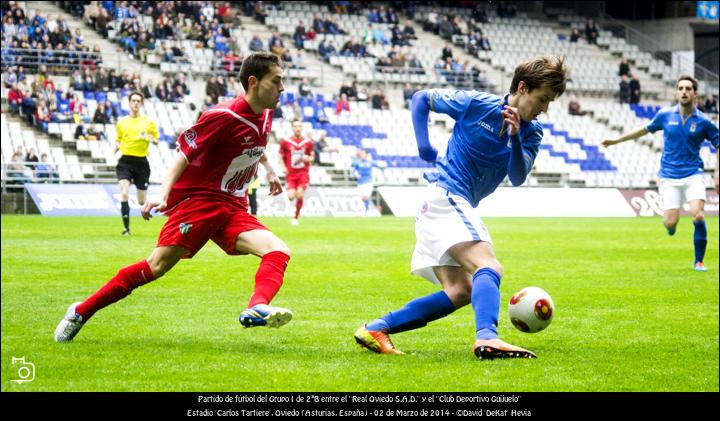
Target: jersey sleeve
711, 133
452, 103
309, 148
656, 123
153, 129
210, 128
531, 144
120, 132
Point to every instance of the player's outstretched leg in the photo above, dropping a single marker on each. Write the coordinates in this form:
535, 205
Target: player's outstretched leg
486, 305
70, 325
268, 280
700, 243
376, 341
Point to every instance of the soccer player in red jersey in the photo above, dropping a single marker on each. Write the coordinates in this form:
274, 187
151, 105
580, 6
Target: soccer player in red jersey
296, 154
204, 195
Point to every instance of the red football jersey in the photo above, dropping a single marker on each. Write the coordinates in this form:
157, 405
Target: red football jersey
223, 149
292, 151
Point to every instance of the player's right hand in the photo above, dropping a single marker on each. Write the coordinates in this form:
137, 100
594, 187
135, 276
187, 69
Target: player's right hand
608, 142
428, 154
152, 206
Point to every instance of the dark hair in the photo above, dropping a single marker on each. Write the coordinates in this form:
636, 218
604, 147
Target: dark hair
258, 65
691, 79
296, 120
142, 97
545, 70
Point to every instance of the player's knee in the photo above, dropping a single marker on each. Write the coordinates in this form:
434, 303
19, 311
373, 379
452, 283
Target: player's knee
460, 294
280, 246
699, 216
496, 266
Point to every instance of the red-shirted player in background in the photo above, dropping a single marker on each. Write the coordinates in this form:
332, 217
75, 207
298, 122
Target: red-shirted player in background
296, 154
204, 194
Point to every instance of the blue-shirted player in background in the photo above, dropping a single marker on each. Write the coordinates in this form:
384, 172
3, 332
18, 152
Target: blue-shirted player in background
363, 170
685, 128
493, 138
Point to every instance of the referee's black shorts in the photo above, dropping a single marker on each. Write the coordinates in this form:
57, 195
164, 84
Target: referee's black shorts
135, 169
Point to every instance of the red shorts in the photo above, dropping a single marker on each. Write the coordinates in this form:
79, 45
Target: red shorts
295, 180
194, 221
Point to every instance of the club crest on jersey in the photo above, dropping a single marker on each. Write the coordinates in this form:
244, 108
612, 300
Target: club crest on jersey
246, 140
185, 228
190, 137
692, 128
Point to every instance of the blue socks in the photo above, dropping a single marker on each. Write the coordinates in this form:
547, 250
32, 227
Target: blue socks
700, 240
367, 204
486, 302
417, 313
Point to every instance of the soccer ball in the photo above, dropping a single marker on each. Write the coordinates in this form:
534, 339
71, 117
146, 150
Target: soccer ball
531, 309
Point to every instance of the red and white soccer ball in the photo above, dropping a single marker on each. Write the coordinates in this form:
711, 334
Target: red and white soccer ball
531, 309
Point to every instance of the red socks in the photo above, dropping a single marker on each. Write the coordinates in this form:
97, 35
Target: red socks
298, 206
269, 277
119, 287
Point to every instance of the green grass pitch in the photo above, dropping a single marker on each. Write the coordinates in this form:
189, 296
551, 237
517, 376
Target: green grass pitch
631, 314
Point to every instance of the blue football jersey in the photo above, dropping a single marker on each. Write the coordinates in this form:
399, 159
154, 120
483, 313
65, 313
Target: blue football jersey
364, 170
682, 141
479, 149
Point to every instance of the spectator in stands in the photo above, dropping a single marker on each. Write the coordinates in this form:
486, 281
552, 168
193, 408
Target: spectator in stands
624, 68
408, 92
320, 116
101, 79
64, 112
445, 29
378, 101
298, 60
485, 43
348, 90
634, 90
86, 132
391, 16
280, 51
506, 11
92, 11
414, 65
321, 145
318, 24
114, 81
161, 92
342, 104
431, 23
101, 116
408, 31
300, 35
326, 50
710, 106
45, 171
259, 12
31, 158
574, 35
591, 32
304, 89
331, 27
178, 94
373, 15
15, 98
16, 171
624, 90
398, 38
574, 107
446, 52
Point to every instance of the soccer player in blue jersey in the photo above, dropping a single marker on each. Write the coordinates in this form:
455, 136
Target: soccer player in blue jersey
493, 137
363, 169
685, 128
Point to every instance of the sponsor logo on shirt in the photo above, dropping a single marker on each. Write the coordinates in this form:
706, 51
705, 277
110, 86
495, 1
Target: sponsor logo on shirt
486, 126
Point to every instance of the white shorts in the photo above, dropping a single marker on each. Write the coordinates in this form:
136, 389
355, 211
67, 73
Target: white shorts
676, 191
443, 220
365, 190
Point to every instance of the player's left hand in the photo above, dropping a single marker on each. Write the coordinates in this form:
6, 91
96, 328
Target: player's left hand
512, 119
150, 206
274, 184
